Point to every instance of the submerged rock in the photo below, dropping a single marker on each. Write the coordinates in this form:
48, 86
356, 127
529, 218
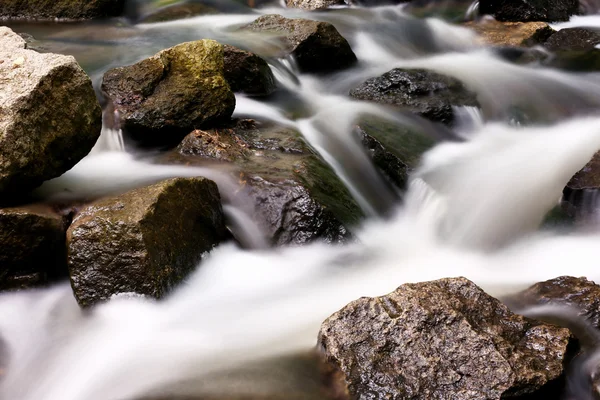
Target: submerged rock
317, 46
163, 97
313, 4
144, 241
297, 197
247, 73
524, 10
32, 243
49, 115
445, 339
67, 9
422, 92
175, 12
498, 33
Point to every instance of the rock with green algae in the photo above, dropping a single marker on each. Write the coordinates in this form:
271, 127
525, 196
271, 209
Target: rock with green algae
248, 73
32, 243
49, 115
317, 46
164, 97
63, 9
296, 196
144, 241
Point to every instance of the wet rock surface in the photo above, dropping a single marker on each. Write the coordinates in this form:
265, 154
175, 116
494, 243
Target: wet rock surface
573, 39
32, 243
536, 10
422, 92
247, 73
313, 4
175, 12
295, 194
49, 115
317, 46
444, 339
64, 9
144, 241
163, 97
498, 33
581, 192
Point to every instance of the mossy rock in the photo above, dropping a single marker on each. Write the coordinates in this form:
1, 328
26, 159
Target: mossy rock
296, 195
145, 241
63, 9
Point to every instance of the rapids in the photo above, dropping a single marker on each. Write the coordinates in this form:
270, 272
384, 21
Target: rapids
473, 208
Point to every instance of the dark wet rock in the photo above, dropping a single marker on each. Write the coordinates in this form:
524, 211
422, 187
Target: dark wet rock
144, 241
247, 73
422, 92
313, 4
163, 97
498, 33
317, 46
524, 10
63, 9
573, 39
49, 115
395, 150
580, 195
32, 243
177, 11
297, 197
445, 339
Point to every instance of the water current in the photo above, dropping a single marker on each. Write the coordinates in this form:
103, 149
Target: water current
473, 208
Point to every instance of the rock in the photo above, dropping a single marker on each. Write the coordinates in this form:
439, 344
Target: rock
423, 92
523, 10
445, 339
395, 150
497, 33
49, 115
63, 9
32, 239
163, 97
247, 73
580, 193
176, 11
296, 196
573, 39
313, 4
317, 46
144, 241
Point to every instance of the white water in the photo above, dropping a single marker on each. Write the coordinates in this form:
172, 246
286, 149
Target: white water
473, 209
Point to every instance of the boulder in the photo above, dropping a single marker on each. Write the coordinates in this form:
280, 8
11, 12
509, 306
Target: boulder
164, 97
445, 339
313, 4
247, 73
49, 115
317, 46
63, 9
573, 39
145, 241
498, 33
422, 92
32, 239
296, 196
395, 149
525, 10
175, 12
581, 191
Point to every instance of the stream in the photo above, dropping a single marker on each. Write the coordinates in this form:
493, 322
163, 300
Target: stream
473, 208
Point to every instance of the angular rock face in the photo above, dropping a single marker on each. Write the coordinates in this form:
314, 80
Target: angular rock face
313, 4
423, 92
522, 10
444, 339
317, 46
163, 97
32, 240
573, 39
49, 115
297, 197
68, 9
144, 241
247, 73
581, 191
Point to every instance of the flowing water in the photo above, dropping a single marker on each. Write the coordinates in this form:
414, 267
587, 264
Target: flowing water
473, 208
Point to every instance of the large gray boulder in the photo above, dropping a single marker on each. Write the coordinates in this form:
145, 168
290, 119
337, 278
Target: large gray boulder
144, 241
317, 46
164, 97
63, 9
49, 115
445, 339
